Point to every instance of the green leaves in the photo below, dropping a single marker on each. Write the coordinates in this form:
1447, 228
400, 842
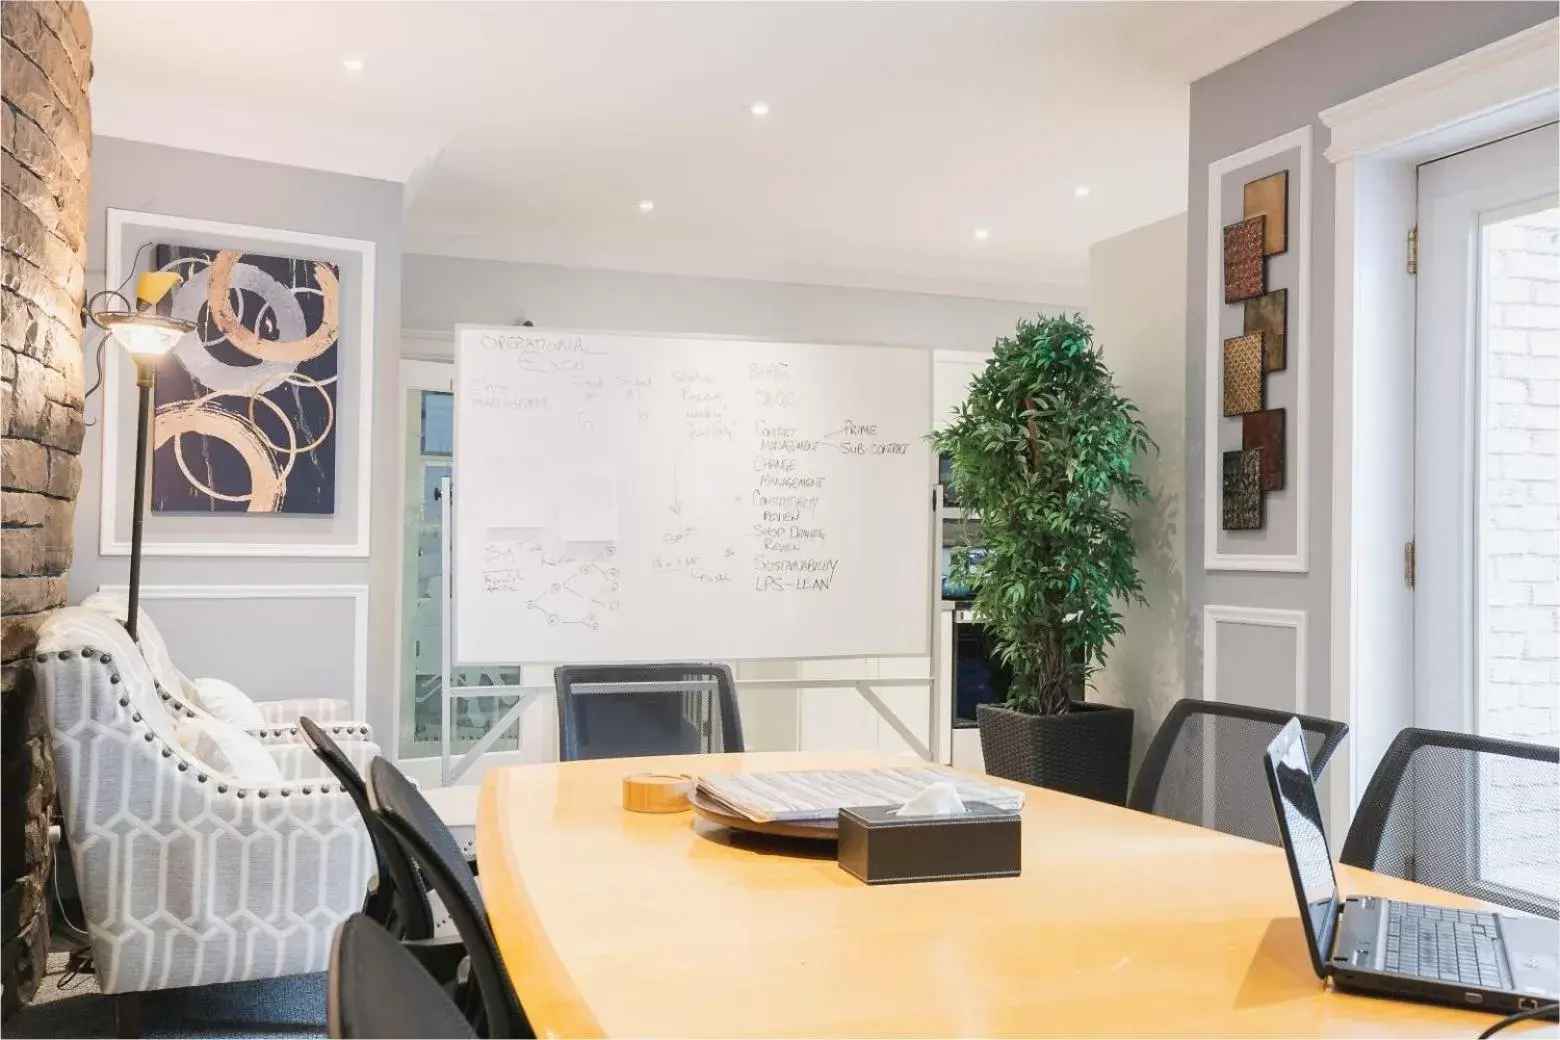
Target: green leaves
1042, 451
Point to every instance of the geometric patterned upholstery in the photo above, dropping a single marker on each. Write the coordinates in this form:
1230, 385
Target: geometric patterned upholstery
154, 650
187, 877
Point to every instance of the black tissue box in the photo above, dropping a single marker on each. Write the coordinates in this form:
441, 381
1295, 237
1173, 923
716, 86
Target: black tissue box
881, 848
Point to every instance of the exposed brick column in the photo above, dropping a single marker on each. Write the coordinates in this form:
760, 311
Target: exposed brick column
45, 65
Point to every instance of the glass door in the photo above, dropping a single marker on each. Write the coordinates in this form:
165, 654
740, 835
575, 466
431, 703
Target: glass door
1487, 489
428, 399
1487, 476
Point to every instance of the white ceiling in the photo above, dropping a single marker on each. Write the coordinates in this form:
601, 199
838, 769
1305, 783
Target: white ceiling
531, 131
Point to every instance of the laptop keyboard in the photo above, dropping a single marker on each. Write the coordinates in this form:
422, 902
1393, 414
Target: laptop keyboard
1435, 942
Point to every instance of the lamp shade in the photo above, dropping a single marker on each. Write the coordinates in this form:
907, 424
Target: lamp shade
143, 334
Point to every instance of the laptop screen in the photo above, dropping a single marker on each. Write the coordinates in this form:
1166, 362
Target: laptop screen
1300, 825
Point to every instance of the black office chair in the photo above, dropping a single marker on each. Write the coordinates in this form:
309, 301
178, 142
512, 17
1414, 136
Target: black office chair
618, 711
377, 989
1204, 766
399, 901
1469, 814
433, 848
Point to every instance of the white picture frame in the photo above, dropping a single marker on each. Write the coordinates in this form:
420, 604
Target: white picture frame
114, 371
1299, 348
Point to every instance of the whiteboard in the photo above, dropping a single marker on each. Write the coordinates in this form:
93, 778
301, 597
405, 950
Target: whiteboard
644, 498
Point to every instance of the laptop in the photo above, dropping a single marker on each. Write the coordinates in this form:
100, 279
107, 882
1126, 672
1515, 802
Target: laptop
1384, 947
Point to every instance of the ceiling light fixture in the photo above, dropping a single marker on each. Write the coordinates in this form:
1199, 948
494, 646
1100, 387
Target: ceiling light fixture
352, 64
1082, 191
759, 108
981, 234
646, 205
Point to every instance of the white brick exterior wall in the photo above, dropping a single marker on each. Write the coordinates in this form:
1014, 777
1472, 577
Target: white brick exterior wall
1519, 546
1519, 551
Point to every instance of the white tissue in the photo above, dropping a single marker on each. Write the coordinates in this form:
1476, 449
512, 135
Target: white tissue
940, 799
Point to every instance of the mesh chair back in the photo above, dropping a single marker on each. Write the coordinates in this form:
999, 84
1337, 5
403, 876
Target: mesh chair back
1469, 814
377, 989
434, 849
399, 902
623, 711
1204, 766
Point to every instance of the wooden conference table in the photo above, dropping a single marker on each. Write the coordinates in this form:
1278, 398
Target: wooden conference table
614, 923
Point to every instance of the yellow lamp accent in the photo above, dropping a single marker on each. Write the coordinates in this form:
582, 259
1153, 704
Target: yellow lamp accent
152, 286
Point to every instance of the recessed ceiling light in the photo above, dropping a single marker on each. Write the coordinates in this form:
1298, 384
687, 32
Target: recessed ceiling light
981, 234
646, 205
759, 108
1082, 191
352, 64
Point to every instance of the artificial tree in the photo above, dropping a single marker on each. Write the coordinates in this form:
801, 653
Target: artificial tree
1042, 452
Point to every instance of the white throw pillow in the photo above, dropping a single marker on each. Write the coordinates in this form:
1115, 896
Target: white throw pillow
228, 703
228, 750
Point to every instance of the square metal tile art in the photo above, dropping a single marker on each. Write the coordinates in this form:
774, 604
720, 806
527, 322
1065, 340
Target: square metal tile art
1242, 495
1243, 374
1244, 274
1263, 432
1269, 315
1269, 197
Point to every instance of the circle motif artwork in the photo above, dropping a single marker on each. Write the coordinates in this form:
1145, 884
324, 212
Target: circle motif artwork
245, 405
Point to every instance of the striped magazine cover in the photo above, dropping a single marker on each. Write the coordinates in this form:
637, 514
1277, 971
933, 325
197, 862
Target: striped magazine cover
819, 794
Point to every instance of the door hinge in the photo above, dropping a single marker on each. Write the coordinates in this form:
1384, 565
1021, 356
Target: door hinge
1410, 564
1413, 250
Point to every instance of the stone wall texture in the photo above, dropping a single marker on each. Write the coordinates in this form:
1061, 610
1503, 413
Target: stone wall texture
45, 66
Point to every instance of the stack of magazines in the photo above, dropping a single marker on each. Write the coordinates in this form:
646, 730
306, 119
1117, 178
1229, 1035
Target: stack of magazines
819, 794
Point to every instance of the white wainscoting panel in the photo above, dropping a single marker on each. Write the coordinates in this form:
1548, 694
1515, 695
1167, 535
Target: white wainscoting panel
1215, 615
228, 647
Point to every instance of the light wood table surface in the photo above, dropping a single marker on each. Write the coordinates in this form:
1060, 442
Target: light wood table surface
1122, 924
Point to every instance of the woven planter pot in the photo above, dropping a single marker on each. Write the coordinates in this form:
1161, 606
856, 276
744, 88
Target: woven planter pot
1085, 752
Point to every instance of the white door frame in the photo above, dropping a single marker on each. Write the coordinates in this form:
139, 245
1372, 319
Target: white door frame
1378, 139
424, 365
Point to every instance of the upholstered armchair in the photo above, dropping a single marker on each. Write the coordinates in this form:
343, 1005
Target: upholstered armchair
280, 717
187, 876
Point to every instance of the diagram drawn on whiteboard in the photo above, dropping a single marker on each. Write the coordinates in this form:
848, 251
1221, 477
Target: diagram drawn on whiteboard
562, 587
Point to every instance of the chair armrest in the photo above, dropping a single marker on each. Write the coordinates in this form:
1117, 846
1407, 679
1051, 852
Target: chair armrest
320, 709
299, 762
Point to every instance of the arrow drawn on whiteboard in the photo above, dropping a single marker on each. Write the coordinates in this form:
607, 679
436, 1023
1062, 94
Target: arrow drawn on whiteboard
677, 503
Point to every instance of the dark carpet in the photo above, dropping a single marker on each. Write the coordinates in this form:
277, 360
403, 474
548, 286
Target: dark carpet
290, 1008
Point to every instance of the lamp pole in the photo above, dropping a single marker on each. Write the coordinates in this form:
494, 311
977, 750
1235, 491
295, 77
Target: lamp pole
146, 336
145, 378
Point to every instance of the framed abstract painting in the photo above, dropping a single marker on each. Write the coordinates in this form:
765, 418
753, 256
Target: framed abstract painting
246, 404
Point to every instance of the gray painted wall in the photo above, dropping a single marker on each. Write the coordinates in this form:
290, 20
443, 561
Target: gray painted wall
441, 291
1272, 92
243, 640
1137, 301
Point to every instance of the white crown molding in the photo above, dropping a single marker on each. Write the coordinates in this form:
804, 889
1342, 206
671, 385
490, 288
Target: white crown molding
109, 544
357, 594
1051, 292
1504, 76
1298, 561
1216, 614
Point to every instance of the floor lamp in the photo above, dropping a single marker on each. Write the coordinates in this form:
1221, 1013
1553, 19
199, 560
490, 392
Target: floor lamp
146, 337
